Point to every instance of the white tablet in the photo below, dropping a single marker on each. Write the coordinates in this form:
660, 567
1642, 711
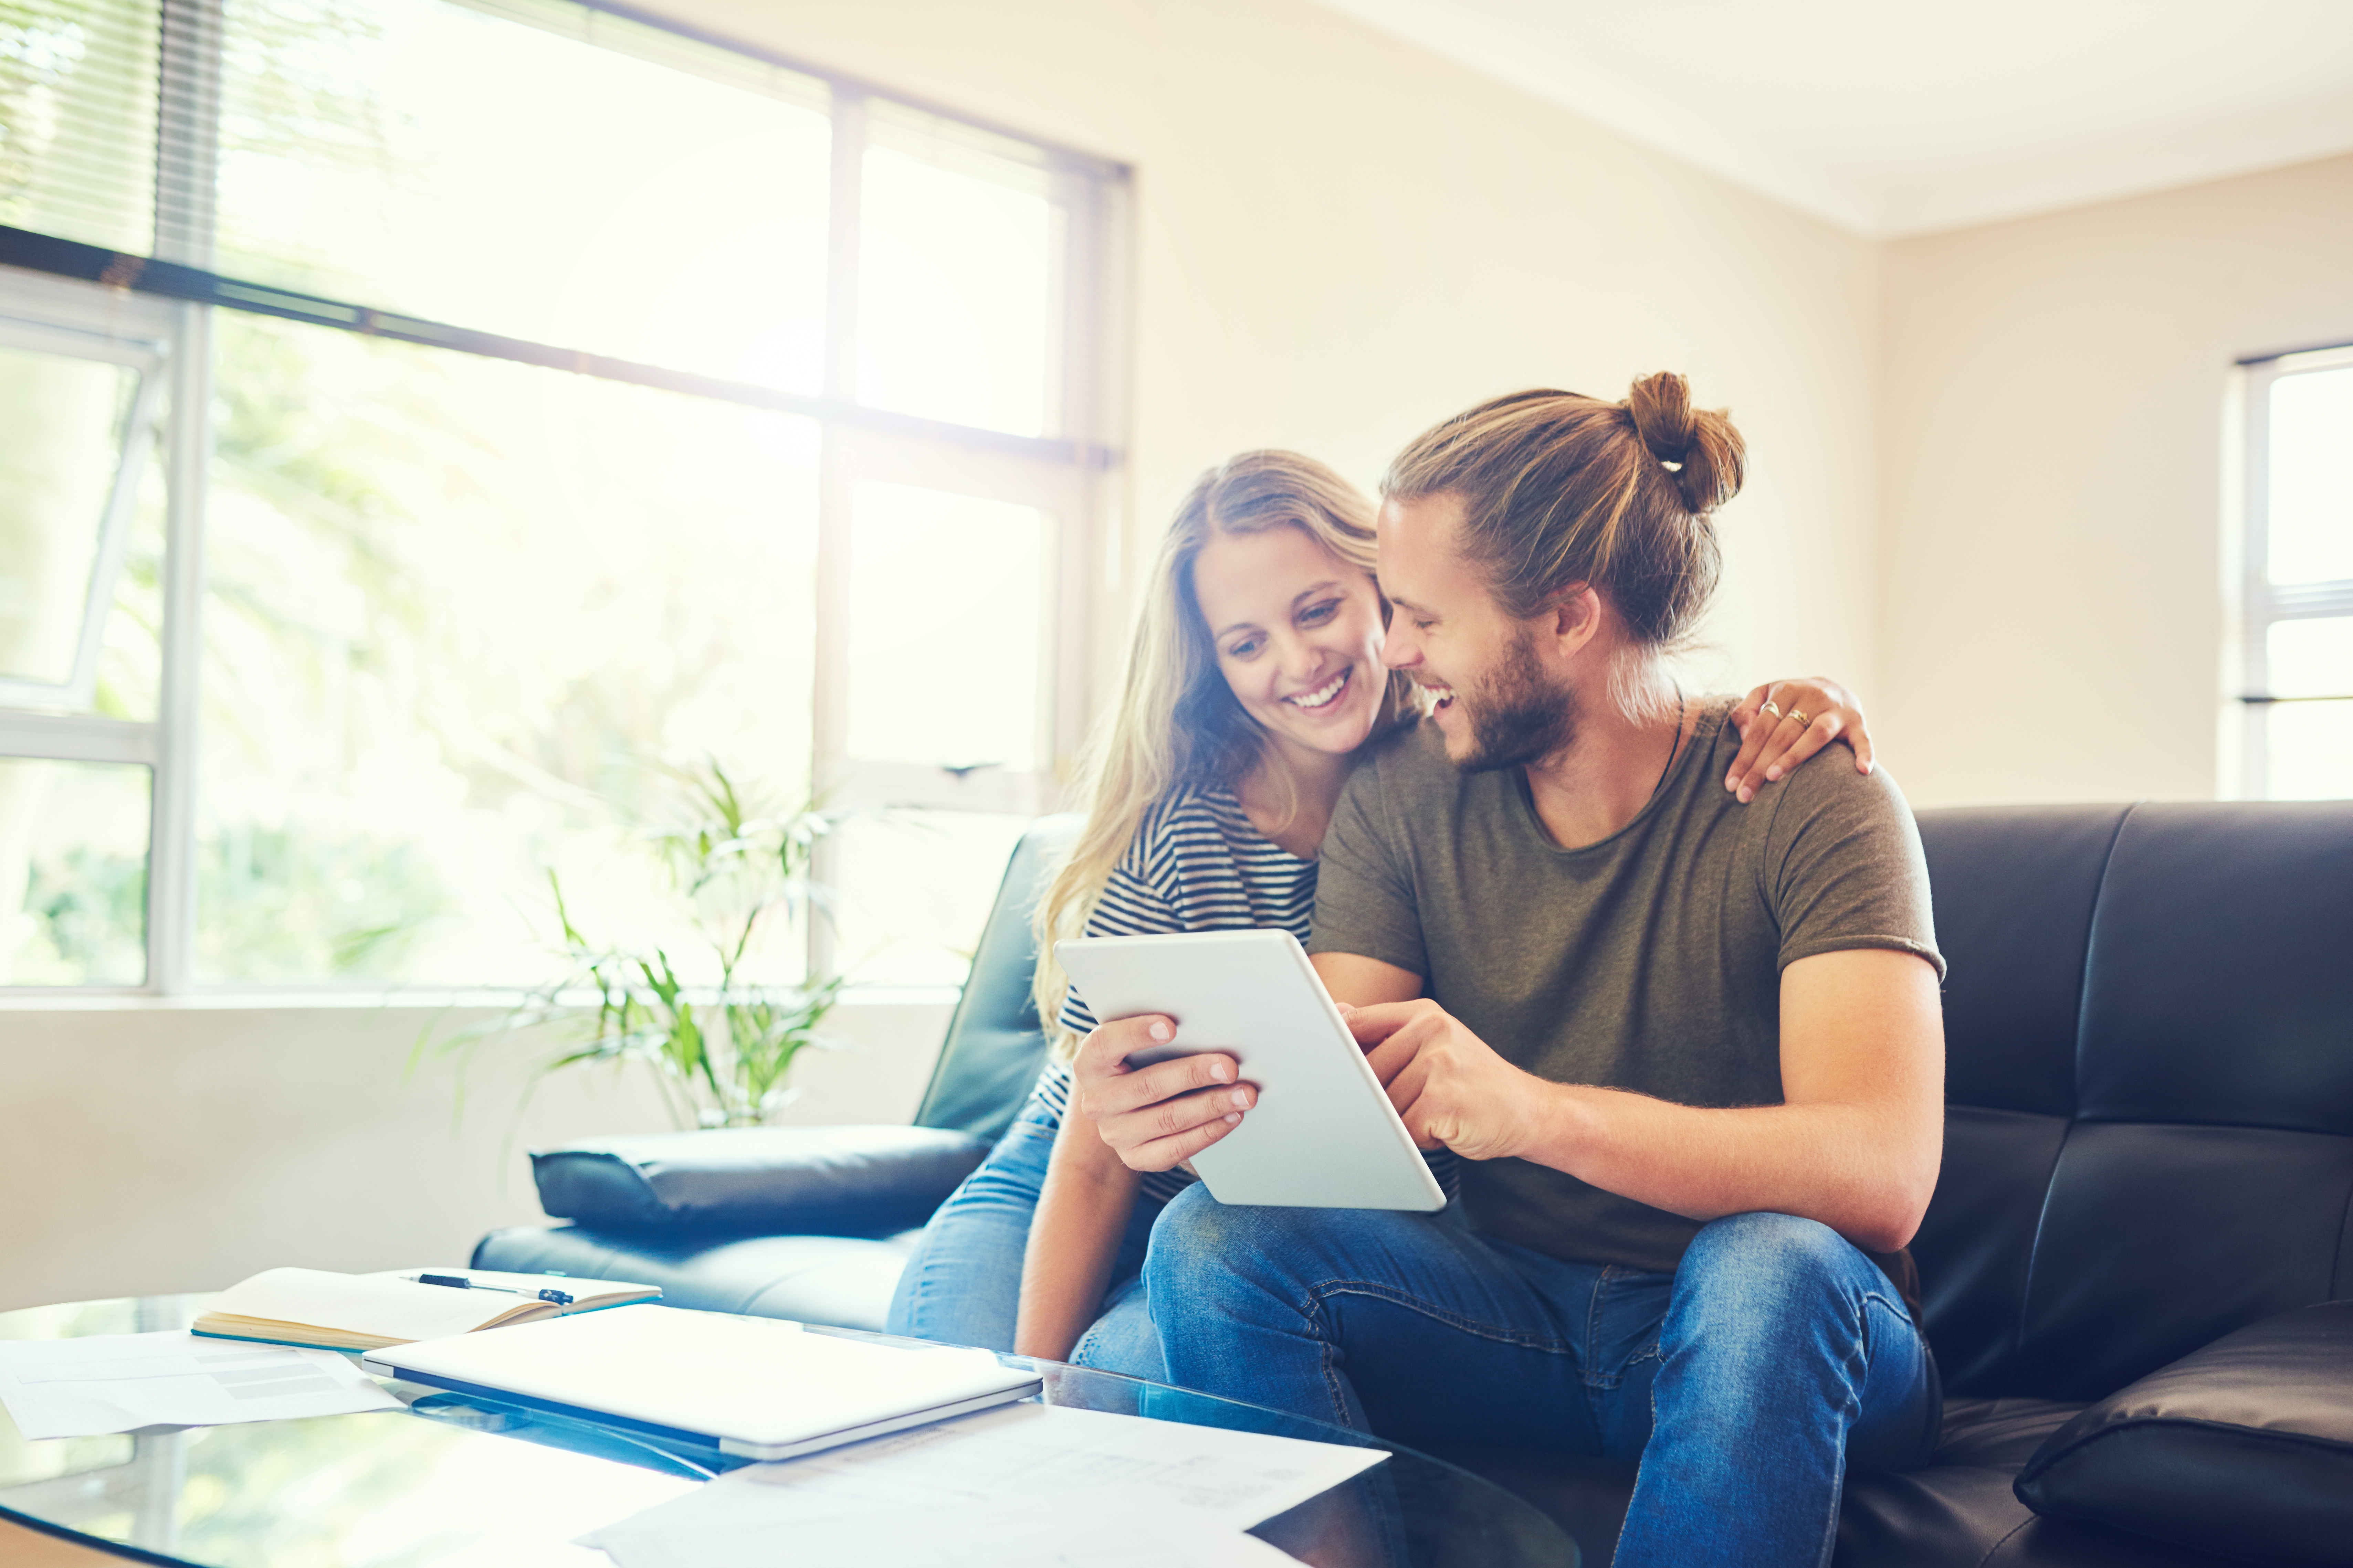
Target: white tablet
1323, 1133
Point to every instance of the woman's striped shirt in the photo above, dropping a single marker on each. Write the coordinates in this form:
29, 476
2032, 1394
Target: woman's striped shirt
1196, 864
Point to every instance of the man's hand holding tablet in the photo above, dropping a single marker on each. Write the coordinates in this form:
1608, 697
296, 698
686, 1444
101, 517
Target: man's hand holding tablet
1224, 1049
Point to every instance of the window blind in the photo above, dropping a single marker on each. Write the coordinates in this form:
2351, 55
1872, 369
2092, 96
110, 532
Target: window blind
538, 171
563, 184
534, 170
78, 95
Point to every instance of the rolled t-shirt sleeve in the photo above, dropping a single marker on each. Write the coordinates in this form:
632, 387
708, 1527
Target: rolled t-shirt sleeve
1843, 866
1364, 890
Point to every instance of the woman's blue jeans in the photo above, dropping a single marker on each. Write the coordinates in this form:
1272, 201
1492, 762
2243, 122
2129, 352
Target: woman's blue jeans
1746, 1383
962, 1285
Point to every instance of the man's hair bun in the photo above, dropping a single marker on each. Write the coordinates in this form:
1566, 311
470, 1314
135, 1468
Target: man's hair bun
1700, 449
1561, 491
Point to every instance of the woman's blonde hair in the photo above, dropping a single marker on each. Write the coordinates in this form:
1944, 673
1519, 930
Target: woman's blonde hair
1177, 723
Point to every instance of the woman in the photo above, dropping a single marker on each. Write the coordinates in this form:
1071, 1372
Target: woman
1254, 680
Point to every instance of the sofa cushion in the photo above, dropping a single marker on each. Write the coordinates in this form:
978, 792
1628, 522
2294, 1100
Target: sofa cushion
1958, 1511
2016, 887
2158, 1238
840, 1180
842, 1281
2215, 989
2243, 1447
1976, 1243
2149, 1048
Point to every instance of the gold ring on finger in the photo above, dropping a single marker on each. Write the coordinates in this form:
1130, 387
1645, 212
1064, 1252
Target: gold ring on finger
1773, 708
1797, 717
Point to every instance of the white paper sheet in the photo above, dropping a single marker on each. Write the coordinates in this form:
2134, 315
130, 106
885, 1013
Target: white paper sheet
1042, 1463
119, 1382
1108, 1529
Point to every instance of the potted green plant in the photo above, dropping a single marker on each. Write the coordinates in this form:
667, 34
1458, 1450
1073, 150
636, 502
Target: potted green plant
721, 1050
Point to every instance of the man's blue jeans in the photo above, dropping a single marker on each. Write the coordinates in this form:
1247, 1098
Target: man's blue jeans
1745, 1383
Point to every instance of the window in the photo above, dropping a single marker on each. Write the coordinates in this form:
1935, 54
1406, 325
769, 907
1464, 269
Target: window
2297, 654
443, 411
83, 382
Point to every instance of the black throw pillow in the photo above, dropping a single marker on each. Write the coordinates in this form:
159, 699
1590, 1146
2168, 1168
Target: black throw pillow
755, 1181
2243, 1449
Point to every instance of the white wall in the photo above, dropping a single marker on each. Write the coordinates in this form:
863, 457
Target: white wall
2051, 598
1339, 240
153, 1149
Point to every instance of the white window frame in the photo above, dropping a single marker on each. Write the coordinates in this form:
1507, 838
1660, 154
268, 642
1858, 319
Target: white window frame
2261, 603
1072, 476
148, 355
164, 342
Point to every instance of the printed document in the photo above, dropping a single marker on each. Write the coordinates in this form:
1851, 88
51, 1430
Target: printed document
119, 1382
1044, 1463
1108, 1529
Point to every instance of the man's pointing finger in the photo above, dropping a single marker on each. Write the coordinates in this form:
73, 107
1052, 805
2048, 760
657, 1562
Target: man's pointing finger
1376, 1023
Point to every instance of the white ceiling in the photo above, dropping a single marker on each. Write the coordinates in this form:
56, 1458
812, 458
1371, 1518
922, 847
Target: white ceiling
1893, 117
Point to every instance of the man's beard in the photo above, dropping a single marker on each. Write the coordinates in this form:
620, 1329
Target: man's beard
1516, 718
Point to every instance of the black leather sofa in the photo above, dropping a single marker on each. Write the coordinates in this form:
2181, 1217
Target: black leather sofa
2149, 1146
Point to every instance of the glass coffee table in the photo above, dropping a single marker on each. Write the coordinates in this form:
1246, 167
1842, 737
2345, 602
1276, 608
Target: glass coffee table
458, 1480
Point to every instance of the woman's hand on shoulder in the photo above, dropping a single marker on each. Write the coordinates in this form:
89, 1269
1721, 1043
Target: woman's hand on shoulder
1783, 723
1154, 1117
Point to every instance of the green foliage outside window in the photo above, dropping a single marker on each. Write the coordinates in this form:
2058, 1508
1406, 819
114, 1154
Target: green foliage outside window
292, 908
90, 917
722, 1052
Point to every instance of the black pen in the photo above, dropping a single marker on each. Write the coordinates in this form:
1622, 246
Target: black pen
460, 1282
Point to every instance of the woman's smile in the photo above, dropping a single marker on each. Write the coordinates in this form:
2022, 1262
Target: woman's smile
1326, 694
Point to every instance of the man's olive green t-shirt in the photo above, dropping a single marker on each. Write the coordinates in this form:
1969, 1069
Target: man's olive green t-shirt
1648, 961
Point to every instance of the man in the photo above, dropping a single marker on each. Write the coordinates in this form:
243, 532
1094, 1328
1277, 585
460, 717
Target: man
1691, 1051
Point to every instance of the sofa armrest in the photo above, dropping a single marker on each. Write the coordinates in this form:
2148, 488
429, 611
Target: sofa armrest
834, 1180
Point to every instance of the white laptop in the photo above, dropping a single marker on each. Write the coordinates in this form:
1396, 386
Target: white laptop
759, 1388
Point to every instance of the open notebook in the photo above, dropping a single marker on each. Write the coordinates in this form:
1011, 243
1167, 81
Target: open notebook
367, 1312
